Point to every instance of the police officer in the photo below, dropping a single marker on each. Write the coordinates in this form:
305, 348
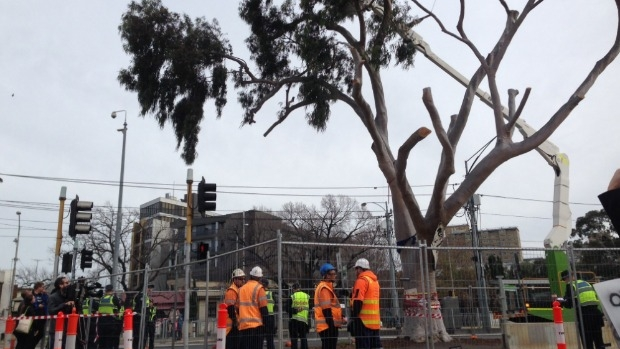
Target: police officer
581, 294
108, 324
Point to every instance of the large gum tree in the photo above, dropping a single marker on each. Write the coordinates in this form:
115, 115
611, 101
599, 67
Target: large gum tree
309, 55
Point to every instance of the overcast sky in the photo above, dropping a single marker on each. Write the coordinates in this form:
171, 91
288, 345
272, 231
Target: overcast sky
58, 66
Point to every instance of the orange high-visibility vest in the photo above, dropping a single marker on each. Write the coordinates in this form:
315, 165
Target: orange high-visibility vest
252, 297
324, 300
369, 314
230, 298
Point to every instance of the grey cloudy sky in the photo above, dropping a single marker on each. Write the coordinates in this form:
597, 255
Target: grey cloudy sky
58, 66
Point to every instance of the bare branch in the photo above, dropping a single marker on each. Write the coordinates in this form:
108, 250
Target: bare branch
513, 118
505, 6
287, 111
401, 178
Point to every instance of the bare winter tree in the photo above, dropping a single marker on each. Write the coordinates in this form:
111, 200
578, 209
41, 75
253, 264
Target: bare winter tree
101, 242
312, 55
339, 219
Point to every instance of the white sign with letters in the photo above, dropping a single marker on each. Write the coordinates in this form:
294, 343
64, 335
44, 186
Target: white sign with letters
609, 294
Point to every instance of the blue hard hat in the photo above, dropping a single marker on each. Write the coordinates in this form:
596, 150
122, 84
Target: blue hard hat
326, 268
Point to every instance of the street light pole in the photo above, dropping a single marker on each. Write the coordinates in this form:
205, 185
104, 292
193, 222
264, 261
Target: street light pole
119, 213
12, 284
388, 232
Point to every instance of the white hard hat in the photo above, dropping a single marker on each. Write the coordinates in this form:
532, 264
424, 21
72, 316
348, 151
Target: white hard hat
238, 273
257, 271
362, 263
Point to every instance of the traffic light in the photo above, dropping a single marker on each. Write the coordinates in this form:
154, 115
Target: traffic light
206, 196
86, 259
202, 251
67, 263
80, 216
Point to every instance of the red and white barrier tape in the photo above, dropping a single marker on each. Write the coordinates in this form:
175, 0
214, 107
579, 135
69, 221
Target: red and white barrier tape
45, 317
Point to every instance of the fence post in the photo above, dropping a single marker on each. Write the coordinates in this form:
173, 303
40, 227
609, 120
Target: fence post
222, 316
559, 325
128, 329
60, 327
72, 326
9, 339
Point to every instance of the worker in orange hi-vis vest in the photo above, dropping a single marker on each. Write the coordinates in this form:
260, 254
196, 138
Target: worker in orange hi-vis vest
327, 311
253, 311
230, 299
365, 316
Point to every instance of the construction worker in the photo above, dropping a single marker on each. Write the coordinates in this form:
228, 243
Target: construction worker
327, 311
108, 324
581, 295
298, 326
365, 316
269, 332
253, 311
230, 299
149, 329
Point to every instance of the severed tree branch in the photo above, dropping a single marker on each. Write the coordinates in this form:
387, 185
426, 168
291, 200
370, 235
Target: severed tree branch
401, 178
514, 116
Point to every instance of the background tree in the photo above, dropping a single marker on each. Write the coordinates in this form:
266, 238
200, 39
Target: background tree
101, 242
314, 54
594, 230
338, 220
27, 276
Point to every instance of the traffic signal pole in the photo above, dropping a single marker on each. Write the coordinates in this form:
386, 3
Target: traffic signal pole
61, 212
188, 244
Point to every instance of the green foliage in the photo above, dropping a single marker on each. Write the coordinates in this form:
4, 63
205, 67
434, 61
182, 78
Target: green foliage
177, 65
595, 231
305, 49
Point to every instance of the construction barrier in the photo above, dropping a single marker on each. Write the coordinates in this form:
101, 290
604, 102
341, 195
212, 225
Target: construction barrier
60, 324
72, 327
560, 338
222, 317
9, 339
128, 329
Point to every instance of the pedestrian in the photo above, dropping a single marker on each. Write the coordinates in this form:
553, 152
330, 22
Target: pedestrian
59, 301
180, 318
138, 301
26, 308
327, 311
299, 310
39, 305
269, 332
611, 200
365, 316
231, 298
589, 318
252, 311
108, 325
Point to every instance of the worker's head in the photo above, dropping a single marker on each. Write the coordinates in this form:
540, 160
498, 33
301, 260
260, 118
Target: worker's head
256, 273
296, 286
361, 265
264, 282
565, 276
109, 289
328, 271
238, 277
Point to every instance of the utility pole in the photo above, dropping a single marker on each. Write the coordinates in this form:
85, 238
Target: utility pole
474, 203
61, 209
188, 245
